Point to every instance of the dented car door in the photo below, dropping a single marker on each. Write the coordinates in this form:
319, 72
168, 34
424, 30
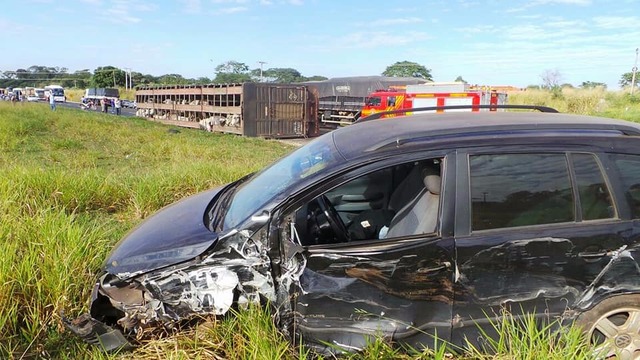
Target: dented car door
543, 233
398, 287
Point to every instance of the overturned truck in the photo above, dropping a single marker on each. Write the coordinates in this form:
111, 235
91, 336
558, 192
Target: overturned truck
340, 99
250, 109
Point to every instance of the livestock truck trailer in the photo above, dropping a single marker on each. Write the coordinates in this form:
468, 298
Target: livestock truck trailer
249, 109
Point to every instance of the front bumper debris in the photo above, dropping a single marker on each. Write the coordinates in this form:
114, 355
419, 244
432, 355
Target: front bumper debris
98, 333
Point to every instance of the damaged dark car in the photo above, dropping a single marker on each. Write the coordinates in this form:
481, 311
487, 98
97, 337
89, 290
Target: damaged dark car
413, 228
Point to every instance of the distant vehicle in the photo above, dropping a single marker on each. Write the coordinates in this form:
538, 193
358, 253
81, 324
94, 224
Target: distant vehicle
18, 93
341, 99
97, 94
57, 91
129, 104
249, 109
40, 94
431, 94
30, 94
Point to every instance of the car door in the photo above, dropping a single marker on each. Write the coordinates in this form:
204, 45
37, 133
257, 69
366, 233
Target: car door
399, 288
536, 232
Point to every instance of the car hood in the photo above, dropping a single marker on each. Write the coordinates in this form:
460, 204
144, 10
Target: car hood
174, 234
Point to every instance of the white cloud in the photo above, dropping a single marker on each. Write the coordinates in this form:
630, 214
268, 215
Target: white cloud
617, 22
232, 10
396, 21
370, 40
562, 2
192, 6
534, 3
11, 27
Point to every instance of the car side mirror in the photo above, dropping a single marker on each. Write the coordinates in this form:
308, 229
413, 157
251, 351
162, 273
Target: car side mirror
261, 218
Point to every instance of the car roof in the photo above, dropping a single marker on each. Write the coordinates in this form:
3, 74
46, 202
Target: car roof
372, 135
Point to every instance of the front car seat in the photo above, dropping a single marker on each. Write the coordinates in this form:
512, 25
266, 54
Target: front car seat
420, 215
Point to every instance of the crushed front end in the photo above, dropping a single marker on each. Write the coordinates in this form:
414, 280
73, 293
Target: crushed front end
237, 271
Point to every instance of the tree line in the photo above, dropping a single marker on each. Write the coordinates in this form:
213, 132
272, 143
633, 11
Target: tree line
228, 72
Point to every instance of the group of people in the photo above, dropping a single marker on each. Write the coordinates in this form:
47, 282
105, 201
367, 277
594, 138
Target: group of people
12, 96
105, 104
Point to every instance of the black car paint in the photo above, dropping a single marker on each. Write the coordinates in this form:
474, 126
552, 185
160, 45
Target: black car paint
174, 234
342, 294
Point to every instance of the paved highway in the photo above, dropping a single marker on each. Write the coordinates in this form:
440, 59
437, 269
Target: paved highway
76, 105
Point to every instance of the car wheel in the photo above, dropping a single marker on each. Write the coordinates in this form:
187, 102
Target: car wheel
613, 327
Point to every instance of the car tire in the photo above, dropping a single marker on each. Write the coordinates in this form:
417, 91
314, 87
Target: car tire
613, 327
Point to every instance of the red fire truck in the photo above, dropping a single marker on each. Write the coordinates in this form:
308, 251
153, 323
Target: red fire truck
432, 94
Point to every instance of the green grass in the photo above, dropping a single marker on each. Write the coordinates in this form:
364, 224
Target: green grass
526, 338
74, 182
597, 102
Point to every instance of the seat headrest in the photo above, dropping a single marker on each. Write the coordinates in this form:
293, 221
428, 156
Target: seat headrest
432, 179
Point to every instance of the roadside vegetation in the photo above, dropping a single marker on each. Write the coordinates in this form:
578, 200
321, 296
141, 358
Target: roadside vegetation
74, 182
594, 101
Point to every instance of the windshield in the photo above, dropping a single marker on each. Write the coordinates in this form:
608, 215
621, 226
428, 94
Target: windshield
373, 101
57, 92
251, 196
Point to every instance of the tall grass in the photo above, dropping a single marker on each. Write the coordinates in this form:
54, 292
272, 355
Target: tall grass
526, 338
595, 101
247, 334
72, 183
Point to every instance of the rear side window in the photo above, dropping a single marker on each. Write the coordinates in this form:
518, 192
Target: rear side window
595, 200
510, 190
629, 168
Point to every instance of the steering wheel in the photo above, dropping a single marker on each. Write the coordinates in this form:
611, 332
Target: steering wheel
333, 218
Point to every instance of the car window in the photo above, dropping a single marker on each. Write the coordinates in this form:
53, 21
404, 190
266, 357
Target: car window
510, 190
397, 201
629, 169
595, 199
391, 101
373, 101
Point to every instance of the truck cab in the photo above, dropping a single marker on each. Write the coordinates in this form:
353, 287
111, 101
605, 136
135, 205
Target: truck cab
384, 100
431, 95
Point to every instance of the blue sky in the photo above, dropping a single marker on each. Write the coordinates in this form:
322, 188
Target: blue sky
493, 42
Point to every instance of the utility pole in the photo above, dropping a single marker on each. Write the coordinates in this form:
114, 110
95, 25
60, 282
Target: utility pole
128, 82
633, 73
261, 63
